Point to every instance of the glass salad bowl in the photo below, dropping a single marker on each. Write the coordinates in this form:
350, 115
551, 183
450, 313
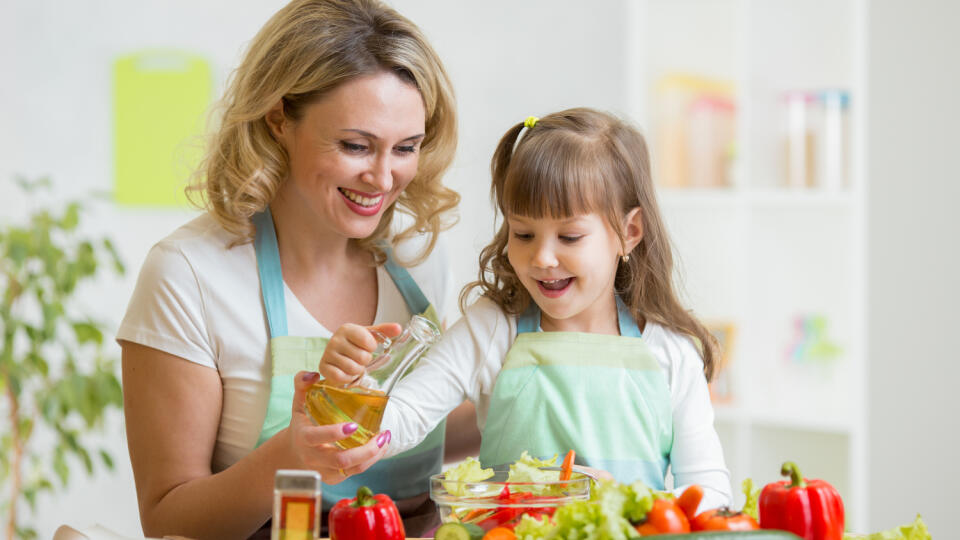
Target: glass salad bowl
494, 501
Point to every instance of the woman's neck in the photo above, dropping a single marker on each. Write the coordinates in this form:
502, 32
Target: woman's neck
306, 245
331, 276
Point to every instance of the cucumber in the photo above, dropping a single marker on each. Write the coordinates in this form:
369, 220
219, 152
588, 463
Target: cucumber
759, 534
459, 531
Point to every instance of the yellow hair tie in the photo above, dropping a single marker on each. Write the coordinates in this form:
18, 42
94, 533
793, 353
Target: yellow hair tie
530, 122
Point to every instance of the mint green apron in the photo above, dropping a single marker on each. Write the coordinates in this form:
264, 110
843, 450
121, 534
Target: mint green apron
404, 475
603, 396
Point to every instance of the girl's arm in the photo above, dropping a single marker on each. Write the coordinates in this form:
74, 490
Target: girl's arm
462, 365
696, 457
172, 409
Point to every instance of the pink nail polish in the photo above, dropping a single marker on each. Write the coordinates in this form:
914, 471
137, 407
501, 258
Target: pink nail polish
349, 428
383, 438
310, 376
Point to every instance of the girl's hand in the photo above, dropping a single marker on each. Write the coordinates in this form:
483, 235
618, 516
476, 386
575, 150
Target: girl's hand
349, 351
599, 474
313, 445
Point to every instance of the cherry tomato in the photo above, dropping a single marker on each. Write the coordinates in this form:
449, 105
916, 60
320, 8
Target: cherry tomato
723, 519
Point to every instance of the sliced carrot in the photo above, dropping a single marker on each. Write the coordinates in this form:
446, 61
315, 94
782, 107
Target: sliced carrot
500, 533
689, 500
472, 515
567, 468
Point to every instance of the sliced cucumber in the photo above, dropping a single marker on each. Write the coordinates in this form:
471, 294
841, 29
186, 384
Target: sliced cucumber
459, 531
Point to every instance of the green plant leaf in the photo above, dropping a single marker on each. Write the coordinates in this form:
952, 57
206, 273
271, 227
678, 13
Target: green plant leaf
59, 377
60, 466
85, 456
25, 533
88, 332
71, 217
106, 458
118, 266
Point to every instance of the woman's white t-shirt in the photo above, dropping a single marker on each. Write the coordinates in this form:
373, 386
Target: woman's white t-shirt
468, 358
198, 298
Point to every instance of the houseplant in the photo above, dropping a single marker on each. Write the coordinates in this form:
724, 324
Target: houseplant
55, 375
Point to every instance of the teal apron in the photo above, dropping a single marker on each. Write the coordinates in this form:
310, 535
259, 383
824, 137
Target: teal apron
603, 396
404, 475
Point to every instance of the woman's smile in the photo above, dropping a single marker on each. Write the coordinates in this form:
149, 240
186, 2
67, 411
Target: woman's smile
365, 204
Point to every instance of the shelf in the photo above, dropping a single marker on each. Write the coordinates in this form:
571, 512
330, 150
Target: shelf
736, 415
799, 198
754, 198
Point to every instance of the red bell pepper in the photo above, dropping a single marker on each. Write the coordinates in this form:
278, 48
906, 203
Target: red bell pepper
367, 517
811, 509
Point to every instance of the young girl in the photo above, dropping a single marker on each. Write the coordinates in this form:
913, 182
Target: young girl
578, 340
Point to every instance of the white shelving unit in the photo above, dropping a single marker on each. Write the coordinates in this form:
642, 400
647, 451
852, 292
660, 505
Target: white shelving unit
758, 254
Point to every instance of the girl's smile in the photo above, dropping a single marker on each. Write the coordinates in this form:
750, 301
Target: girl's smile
554, 288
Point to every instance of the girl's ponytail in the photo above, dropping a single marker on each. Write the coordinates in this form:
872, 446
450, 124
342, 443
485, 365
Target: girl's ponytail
501, 159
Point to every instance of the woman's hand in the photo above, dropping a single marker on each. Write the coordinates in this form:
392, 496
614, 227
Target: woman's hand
350, 350
314, 445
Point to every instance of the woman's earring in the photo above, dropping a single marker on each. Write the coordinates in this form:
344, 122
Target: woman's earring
624, 259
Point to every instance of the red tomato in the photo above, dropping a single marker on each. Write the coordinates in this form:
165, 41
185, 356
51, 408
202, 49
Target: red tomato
723, 519
664, 518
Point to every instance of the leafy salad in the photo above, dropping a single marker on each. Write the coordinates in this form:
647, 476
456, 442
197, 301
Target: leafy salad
487, 498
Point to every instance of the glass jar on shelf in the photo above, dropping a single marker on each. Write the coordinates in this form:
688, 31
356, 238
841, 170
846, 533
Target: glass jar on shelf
816, 139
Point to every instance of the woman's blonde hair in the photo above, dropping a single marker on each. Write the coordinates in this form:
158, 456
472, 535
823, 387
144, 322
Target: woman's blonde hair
304, 51
581, 161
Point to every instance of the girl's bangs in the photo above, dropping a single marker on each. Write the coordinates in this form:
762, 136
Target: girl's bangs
558, 178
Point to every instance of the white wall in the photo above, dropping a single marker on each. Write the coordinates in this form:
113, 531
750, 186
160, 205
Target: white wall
507, 59
914, 263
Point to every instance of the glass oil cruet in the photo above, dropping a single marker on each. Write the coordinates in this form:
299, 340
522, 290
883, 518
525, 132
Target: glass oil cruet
364, 399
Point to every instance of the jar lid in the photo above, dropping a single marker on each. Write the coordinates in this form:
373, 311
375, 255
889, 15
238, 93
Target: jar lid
297, 479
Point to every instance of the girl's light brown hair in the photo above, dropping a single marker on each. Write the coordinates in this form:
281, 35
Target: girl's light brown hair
304, 51
581, 161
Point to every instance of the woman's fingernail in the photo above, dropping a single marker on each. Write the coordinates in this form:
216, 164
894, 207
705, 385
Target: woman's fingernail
349, 428
310, 376
383, 438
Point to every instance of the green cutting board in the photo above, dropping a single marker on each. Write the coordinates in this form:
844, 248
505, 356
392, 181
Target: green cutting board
160, 101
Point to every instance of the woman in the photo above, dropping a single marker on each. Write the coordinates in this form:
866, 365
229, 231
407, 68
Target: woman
340, 114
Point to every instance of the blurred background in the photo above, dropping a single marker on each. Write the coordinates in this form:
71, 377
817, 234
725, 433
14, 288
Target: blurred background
802, 149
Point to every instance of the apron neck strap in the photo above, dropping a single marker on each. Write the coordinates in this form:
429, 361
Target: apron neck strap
529, 320
416, 301
628, 326
271, 276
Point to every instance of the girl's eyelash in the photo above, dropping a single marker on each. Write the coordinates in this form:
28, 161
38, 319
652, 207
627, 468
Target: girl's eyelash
407, 149
570, 239
522, 236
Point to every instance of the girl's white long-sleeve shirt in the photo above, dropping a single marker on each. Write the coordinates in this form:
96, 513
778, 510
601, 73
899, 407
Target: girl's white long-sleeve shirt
468, 358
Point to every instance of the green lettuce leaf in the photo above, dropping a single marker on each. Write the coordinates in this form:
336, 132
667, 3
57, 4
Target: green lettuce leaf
531, 528
608, 515
467, 471
527, 469
914, 531
750, 506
